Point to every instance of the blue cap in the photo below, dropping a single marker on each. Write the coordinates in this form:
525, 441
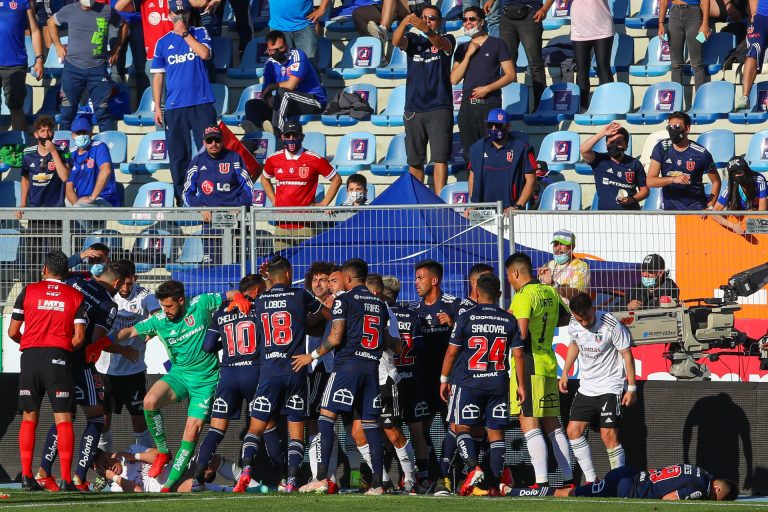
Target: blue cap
81, 124
498, 115
179, 5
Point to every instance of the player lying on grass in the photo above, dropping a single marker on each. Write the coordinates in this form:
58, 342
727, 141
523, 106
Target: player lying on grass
128, 471
677, 482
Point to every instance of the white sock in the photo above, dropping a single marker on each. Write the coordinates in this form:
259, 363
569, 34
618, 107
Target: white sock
583, 455
616, 457
537, 449
365, 454
313, 455
144, 439
353, 453
406, 457
105, 441
562, 452
229, 470
333, 464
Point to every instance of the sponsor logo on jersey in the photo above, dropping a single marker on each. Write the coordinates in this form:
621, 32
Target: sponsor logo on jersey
50, 305
207, 187
25, 392
261, 404
62, 394
343, 396
181, 58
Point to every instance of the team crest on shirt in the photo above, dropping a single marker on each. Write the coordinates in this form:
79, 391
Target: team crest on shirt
433, 49
89, 163
510, 156
224, 168
13, 5
190, 321
51, 166
690, 165
304, 171
630, 175
599, 338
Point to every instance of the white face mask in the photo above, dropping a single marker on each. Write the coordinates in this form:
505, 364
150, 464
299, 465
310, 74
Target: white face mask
472, 32
86, 3
355, 196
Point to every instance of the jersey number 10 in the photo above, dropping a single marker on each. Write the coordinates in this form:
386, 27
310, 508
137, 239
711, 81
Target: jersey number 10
241, 338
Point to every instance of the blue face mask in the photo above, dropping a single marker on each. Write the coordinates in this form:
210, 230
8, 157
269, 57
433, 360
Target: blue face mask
496, 135
82, 141
561, 259
97, 269
292, 145
648, 282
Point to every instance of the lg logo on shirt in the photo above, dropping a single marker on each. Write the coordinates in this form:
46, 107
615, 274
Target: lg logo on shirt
207, 187
181, 59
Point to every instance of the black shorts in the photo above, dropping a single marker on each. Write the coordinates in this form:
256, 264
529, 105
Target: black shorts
390, 404
317, 381
606, 407
46, 370
435, 127
125, 390
89, 390
13, 80
413, 405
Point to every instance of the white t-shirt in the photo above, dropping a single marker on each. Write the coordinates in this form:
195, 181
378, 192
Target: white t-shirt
137, 472
601, 367
387, 366
130, 311
590, 20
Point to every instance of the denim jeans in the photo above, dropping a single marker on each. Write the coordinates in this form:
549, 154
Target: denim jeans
304, 39
530, 33
76, 81
682, 28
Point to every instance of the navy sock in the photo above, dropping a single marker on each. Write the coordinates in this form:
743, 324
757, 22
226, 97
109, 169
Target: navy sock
207, 449
251, 445
50, 449
88, 444
449, 449
274, 447
295, 457
467, 450
497, 459
325, 427
375, 440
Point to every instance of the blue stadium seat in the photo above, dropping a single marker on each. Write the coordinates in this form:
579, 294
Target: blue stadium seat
445, 7
560, 150
52, 67
609, 102
757, 151
455, 193
252, 62
30, 51
654, 201
393, 113
9, 138
191, 256
10, 194
158, 243
315, 141
63, 139
396, 161
5, 113
222, 53
155, 194
514, 99
622, 55
522, 59
721, 143
260, 199
716, 50
109, 237
563, 195
51, 102
355, 152
221, 96
397, 67
458, 92
267, 144
342, 195
360, 57
595, 202
647, 17
456, 162
559, 15
619, 9
324, 51
259, 15
251, 92
659, 101
151, 155
657, 60
340, 24
584, 168
367, 92
758, 98
713, 101
559, 102
117, 142
10, 242
145, 113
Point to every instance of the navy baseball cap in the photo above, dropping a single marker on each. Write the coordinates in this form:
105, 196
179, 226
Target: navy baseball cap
292, 127
179, 5
498, 115
81, 124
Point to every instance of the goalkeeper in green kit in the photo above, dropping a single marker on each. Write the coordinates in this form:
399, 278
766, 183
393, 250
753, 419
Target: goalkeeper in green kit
182, 326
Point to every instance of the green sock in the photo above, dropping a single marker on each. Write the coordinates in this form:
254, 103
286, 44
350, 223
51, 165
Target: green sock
155, 425
180, 462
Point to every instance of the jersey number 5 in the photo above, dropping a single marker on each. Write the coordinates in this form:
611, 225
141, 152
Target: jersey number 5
277, 328
370, 338
495, 355
241, 338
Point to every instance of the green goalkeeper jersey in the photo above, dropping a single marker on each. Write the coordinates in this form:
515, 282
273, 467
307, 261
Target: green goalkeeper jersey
183, 338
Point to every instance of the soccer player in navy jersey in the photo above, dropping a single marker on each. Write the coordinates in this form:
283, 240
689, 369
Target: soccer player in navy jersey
234, 333
281, 315
476, 365
676, 482
359, 336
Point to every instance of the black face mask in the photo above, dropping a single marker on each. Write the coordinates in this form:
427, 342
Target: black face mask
43, 140
616, 150
675, 134
741, 179
279, 56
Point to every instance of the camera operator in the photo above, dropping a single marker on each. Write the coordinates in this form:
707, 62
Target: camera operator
654, 284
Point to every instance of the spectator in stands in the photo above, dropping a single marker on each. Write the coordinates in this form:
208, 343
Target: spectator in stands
376, 19
502, 167
297, 20
85, 59
217, 177
44, 170
654, 284
189, 106
479, 63
14, 18
96, 254
131, 35
91, 181
428, 96
757, 40
745, 190
678, 166
619, 178
357, 191
688, 29
568, 274
521, 22
591, 32
295, 84
155, 20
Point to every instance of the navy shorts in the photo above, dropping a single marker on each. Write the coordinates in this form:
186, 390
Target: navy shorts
317, 382
757, 39
618, 483
236, 383
353, 392
289, 392
89, 390
413, 405
470, 407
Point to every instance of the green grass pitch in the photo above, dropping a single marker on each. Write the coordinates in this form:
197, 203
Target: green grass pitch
216, 502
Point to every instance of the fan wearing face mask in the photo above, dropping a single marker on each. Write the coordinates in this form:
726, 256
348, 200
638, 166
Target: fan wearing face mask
745, 190
567, 273
654, 284
619, 178
678, 165
92, 180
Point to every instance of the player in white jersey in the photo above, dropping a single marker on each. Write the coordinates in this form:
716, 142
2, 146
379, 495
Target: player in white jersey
125, 381
602, 346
